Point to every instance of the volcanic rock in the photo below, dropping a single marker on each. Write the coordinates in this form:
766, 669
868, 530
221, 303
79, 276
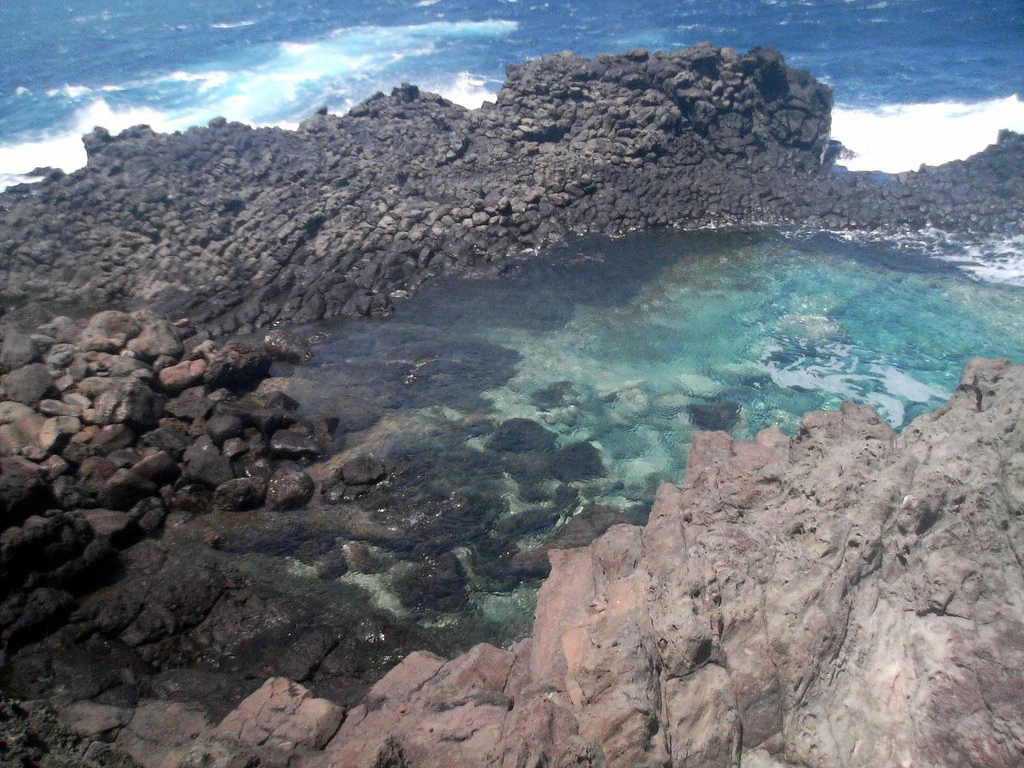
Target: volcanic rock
521, 435
237, 365
109, 331
286, 346
240, 493
18, 350
28, 384
289, 489
812, 600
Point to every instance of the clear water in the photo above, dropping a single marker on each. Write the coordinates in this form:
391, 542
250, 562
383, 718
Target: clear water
627, 344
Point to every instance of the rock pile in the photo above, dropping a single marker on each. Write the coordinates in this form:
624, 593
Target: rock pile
238, 227
106, 427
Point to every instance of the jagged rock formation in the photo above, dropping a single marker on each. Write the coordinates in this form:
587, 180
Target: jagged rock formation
239, 227
846, 597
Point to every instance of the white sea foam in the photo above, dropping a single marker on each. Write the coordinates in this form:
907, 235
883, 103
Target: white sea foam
232, 24
65, 150
841, 372
997, 260
988, 258
902, 137
273, 85
69, 91
467, 89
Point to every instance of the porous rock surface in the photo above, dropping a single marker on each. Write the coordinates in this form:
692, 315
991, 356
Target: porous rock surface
238, 228
845, 597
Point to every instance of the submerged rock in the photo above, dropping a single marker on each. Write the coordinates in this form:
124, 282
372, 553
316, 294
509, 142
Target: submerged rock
520, 436
721, 415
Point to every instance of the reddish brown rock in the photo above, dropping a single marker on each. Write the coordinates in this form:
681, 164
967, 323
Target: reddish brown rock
282, 715
177, 378
844, 597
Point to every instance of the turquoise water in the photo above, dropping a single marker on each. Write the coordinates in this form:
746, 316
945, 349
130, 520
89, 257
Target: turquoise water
628, 346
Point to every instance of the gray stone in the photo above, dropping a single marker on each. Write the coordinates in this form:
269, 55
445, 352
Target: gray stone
108, 331
289, 489
287, 444
240, 493
205, 463
18, 350
156, 338
28, 384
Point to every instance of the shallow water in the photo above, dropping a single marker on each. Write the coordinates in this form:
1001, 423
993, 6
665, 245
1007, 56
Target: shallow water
622, 349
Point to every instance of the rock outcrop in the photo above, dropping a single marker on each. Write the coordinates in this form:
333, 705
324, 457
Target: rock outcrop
845, 597
238, 227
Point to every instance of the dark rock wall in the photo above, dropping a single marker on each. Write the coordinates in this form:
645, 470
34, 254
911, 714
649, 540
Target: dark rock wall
238, 227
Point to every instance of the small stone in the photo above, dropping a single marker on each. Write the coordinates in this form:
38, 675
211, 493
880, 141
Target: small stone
60, 356
118, 527
177, 378
363, 470
56, 432
58, 408
223, 428
18, 350
286, 444
204, 463
234, 447
156, 338
109, 331
289, 489
241, 493
237, 366
125, 488
29, 384
11, 411
287, 347
158, 468
191, 405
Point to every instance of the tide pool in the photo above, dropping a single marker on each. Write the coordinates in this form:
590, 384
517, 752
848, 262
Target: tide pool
614, 352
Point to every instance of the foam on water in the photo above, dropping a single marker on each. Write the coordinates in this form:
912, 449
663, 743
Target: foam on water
466, 89
902, 137
997, 260
66, 151
270, 84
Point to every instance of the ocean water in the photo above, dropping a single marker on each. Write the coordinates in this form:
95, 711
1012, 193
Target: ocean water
916, 81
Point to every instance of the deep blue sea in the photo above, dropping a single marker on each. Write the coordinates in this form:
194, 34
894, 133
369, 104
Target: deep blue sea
916, 80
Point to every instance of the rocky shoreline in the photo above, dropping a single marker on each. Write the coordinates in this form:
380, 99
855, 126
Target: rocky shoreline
844, 597
652, 645
238, 228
